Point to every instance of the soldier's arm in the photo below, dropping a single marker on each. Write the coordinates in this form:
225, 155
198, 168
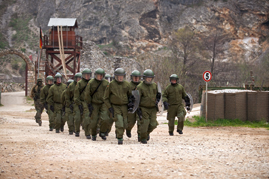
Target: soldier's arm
87, 96
42, 96
77, 95
63, 98
106, 97
50, 97
165, 95
67, 96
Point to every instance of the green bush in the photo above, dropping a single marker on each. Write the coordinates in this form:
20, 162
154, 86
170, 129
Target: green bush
23, 50
15, 65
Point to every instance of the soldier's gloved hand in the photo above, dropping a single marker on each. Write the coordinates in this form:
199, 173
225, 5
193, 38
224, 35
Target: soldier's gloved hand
90, 107
111, 110
131, 99
52, 108
139, 113
158, 97
130, 106
166, 104
188, 108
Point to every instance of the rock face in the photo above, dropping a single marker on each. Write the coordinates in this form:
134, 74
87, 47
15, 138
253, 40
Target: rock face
139, 26
93, 58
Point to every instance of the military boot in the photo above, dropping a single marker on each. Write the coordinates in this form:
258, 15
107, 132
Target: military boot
51, 129
62, 129
120, 141
94, 138
128, 133
102, 135
138, 138
40, 123
88, 136
106, 133
171, 133
57, 131
70, 133
179, 131
148, 137
144, 141
77, 134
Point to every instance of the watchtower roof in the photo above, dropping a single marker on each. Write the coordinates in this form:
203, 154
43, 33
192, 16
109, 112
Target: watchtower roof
70, 22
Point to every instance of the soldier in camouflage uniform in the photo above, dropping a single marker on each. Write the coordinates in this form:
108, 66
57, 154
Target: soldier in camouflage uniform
108, 78
94, 94
43, 97
132, 117
55, 102
149, 98
67, 111
79, 99
69, 100
35, 94
172, 100
116, 98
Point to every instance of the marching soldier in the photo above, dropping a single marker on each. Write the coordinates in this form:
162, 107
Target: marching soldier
54, 100
67, 111
108, 78
132, 117
116, 98
69, 100
94, 94
43, 96
172, 100
79, 99
149, 98
35, 94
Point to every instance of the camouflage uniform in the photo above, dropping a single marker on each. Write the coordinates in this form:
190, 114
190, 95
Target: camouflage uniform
35, 94
96, 101
55, 102
43, 96
116, 99
172, 98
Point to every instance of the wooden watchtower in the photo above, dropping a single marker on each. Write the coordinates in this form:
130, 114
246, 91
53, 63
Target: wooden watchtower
62, 45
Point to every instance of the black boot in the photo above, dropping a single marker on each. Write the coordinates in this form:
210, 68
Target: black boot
102, 135
138, 138
94, 138
128, 133
57, 131
148, 138
171, 133
62, 129
120, 141
40, 123
51, 129
106, 133
77, 134
144, 141
88, 136
70, 133
180, 131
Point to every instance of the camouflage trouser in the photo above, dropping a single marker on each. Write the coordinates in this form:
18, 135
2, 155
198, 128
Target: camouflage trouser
51, 118
58, 116
70, 119
77, 117
120, 118
99, 112
132, 118
39, 107
176, 111
148, 122
86, 122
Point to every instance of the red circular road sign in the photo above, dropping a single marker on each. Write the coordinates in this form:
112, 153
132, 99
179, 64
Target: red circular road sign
207, 76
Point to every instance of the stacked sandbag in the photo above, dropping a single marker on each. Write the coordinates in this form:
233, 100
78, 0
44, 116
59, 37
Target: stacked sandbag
258, 106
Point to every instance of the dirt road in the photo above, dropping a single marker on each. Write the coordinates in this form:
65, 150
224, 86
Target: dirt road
31, 151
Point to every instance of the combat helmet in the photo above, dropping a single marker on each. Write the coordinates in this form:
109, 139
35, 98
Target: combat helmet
69, 81
108, 77
99, 71
49, 80
39, 81
58, 78
148, 74
77, 76
86, 74
135, 73
119, 72
173, 77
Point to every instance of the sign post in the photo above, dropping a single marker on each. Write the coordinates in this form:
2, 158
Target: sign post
207, 76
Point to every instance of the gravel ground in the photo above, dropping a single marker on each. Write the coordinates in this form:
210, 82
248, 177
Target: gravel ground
31, 151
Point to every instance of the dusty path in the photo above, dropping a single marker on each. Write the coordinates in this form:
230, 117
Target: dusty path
30, 151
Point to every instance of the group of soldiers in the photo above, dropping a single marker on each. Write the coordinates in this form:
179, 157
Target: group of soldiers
96, 103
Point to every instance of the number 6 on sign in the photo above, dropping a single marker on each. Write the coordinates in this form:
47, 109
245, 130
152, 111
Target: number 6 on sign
207, 76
